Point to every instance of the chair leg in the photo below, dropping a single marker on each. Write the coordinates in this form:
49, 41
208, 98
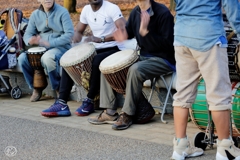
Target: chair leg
152, 89
167, 96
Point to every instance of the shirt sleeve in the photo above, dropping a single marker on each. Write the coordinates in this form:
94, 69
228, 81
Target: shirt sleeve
115, 12
83, 18
232, 9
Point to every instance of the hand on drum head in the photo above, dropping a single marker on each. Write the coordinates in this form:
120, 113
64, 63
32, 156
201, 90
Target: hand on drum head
34, 40
120, 35
93, 39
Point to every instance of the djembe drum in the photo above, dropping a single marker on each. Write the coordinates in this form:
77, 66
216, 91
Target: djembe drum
34, 57
77, 62
115, 68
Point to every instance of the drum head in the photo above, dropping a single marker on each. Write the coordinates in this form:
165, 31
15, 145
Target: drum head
118, 61
77, 54
36, 50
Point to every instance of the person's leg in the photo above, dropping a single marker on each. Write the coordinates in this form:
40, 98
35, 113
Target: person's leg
87, 106
60, 107
94, 82
186, 86
28, 73
26, 68
107, 101
50, 61
146, 68
219, 97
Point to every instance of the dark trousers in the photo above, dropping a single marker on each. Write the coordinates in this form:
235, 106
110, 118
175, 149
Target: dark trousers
94, 83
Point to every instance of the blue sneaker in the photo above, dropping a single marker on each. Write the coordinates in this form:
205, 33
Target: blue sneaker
57, 109
86, 108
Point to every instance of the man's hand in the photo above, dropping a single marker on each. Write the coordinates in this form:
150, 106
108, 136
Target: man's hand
37, 40
34, 40
120, 35
145, 18
93, 39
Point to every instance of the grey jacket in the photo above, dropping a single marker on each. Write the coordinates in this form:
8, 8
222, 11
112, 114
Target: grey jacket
55, 26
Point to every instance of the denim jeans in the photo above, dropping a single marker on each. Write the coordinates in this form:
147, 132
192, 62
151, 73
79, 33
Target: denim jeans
50, 62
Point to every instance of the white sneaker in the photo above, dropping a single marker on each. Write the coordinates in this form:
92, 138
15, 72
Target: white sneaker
182, 149
227, 150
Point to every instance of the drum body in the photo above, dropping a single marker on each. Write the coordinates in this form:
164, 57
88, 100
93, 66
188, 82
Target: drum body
199, 110
115, 68
236, 106
34, 57
77, 62
232, 50
233, 58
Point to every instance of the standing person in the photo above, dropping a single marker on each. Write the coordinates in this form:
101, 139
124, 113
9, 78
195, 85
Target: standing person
200, 45
49, 26
152, 25
103, 18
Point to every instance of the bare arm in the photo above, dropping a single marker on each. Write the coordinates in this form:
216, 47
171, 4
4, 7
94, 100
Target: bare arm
120, 24
80, 28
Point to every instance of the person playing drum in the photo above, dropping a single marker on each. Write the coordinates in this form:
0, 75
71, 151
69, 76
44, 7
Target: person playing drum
103, 18
151, 23
49, 26
200, 44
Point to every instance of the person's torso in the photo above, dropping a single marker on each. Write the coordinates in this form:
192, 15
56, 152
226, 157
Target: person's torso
101, 23
199, 24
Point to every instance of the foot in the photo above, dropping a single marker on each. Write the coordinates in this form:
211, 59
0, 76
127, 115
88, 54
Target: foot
123, 122
183, 149
57, 109
103, 118
227, 150
86, 108
36, 95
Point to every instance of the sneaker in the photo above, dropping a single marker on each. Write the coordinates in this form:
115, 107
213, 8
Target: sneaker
86, 108
103, 118
182, 149
36, 95
57, 109
227, 150
123, 122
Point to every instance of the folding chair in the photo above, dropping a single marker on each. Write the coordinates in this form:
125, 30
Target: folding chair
161, 82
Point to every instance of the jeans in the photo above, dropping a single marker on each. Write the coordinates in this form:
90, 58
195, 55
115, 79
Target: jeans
94, 83
50, 62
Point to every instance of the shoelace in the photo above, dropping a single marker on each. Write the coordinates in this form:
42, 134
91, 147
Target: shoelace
56, 106
100, 115
121, 118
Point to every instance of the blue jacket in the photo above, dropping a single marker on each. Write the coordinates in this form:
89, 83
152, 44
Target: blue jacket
56, 27
199, 23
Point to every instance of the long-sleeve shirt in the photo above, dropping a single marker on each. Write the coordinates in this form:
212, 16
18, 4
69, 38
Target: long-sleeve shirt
199, 23
159, 40
55, 26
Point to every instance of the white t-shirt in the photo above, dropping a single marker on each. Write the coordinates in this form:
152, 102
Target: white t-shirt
102, 21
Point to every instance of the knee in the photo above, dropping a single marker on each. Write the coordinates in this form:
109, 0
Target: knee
133, 70
47, 60
22, 58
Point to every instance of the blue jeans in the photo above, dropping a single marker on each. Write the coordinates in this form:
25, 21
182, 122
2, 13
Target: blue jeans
50, 62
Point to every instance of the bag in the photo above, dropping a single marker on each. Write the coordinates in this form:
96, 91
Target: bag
144, 112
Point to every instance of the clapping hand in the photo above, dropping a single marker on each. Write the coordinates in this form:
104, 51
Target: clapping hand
145, 18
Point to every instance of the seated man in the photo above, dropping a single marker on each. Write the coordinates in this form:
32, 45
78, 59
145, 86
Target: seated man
152, 25
51, 27
103, 18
